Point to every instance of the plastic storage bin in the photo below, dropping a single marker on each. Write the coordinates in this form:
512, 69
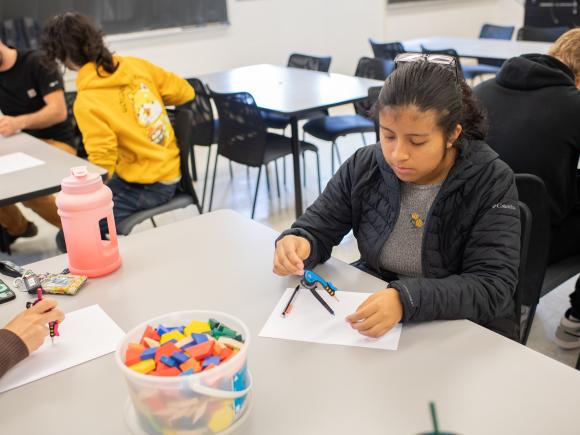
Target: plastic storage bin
202, 403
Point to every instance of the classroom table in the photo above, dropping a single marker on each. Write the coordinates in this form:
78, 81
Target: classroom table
481, 382
39, 180
291, 92
479, 47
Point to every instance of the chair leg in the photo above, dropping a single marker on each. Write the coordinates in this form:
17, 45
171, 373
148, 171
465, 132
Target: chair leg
318, 170
267, 180
364, 139
213, 182
154, 223
231, 170
206, 174
284, 169
303, 169
248, 173
337, 154
256, 193
332, 157
277, 178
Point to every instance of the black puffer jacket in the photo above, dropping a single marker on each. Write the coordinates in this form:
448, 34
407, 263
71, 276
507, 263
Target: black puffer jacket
471, 244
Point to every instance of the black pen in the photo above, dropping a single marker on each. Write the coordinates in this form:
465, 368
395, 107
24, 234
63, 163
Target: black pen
322, 301
289, 304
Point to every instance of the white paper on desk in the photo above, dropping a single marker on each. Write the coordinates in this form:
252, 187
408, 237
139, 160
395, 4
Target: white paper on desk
17, 162
85, 334
310, 321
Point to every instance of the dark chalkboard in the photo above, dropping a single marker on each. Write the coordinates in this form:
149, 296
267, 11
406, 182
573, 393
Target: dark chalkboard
124, 16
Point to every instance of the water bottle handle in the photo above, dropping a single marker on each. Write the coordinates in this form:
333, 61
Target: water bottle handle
112, 244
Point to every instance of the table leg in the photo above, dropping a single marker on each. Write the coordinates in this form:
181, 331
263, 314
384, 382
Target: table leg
296, 160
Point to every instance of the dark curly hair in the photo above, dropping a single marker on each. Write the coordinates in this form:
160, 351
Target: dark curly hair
428, 85
72, 37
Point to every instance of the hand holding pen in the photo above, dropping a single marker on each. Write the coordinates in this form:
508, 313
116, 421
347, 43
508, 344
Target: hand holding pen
30, 324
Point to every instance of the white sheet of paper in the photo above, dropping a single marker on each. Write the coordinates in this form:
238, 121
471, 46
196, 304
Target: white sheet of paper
85, 334
310, 321
17, 162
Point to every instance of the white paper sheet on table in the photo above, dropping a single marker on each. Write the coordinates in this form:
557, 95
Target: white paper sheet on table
310, 321
85, 334
17, 162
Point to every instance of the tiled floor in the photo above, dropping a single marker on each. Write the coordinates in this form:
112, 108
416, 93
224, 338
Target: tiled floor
236, 193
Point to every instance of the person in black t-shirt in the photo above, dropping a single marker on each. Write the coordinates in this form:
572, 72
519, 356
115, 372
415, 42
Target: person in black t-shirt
32, 100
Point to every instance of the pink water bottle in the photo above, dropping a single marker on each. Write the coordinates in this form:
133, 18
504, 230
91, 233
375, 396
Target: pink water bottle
83, 201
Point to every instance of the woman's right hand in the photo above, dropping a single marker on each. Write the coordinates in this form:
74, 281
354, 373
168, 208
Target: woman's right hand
31, 325
291, 251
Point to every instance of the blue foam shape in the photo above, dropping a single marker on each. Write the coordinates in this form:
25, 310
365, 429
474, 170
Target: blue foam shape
210, 360
148, 353
187, 372
173, 328
162, 330
199, 338
180, 357
168, 361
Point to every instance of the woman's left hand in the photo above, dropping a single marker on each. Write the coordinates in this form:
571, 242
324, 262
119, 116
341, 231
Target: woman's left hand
378, 314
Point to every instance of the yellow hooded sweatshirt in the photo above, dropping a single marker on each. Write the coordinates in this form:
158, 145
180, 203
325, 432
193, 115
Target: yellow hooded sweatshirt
123, 120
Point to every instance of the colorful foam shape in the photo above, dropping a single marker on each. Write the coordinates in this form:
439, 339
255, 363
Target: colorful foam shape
221, 419
191, 364
199, 338
196, 327
168, 361
172, 371
230, 342
148, 353
180, 357
150, 333
144, 367
201, 351
166, 349
187, 372
215, 360
149, 342
172, 335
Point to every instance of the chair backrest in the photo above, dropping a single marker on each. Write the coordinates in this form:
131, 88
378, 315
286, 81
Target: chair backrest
182, 126
21, 33
313, 63
242, 131
533, 193
373, 97
70, 98
491, 31
386, 50
203, 124
526, 221
377, 69
448, 52
541, 34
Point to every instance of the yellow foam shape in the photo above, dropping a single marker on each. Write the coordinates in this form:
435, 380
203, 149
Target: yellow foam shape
196, 327
144, 366
172, 335
221, 419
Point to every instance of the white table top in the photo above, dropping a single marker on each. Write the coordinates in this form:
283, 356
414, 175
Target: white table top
481, 382
39, 180
290, 91
476, 47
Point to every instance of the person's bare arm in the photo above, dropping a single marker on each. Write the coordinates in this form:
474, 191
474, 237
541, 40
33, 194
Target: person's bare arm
52, 113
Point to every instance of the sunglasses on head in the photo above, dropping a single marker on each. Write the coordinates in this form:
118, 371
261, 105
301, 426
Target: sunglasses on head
441, 59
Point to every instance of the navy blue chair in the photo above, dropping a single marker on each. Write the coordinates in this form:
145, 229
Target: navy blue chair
541, 34
244, 138
386, 50
301, 61
489, 65
330, 128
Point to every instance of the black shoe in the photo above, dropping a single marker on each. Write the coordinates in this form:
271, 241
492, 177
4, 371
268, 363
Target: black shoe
60, 243
31, 231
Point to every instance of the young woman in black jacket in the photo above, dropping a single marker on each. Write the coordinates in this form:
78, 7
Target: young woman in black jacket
433, 209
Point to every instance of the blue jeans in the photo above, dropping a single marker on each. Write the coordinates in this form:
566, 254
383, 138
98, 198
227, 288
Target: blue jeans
130, 198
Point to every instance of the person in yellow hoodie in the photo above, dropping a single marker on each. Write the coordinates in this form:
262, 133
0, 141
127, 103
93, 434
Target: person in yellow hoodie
120, 110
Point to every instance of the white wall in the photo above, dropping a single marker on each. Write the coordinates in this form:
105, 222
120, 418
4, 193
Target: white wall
267, 31
450, 18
